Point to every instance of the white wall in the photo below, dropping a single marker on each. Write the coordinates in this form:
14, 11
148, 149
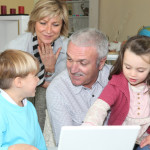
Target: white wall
28, 5
120, 19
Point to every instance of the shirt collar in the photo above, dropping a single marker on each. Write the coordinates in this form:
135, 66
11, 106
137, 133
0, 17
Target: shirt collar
143, 88
101, 80
78, 89
9, 99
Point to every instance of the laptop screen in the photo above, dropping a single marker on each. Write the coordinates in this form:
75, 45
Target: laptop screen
98, 137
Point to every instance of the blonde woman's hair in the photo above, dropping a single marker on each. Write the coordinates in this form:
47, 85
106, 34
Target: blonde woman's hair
16, 63
49, 8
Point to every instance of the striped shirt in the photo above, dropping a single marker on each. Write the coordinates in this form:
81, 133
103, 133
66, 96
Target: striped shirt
37, 55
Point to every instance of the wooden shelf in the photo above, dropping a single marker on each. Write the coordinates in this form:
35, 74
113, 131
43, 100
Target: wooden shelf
76, 1
78, 18
112, 56
71, 17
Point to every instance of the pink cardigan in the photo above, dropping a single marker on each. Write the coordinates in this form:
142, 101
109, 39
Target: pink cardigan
116, 94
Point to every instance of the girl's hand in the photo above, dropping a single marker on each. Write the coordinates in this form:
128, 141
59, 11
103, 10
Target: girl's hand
145, 142
48, 57
22, 147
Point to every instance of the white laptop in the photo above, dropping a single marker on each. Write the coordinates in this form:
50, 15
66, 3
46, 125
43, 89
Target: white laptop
98, 137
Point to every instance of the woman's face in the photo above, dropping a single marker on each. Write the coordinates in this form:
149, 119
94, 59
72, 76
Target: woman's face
48, 29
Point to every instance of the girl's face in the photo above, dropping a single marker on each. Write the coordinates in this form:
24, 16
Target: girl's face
135, 68
48, 29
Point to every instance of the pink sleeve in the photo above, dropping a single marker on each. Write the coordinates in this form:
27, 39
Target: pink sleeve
109, 94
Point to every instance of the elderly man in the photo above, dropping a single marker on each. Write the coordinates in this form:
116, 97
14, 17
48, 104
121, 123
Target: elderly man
72, 92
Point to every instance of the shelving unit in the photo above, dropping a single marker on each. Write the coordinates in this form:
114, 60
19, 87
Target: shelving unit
10, 27
78, 22
77, 1
111, 57
78, 18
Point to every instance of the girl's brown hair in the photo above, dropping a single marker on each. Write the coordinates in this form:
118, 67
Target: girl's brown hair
140, 45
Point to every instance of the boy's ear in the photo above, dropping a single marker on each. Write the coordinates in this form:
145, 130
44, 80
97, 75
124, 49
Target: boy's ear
102, 63
18, 82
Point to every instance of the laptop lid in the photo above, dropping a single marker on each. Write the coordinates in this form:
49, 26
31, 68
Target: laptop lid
98, 137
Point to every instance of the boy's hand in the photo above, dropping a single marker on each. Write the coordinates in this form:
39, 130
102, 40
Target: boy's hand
22, 147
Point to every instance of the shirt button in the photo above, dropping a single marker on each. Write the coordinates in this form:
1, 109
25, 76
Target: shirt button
138, 93
138, 113
138, 108
138, 97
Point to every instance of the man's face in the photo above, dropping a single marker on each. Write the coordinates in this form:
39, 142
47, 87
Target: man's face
81, 65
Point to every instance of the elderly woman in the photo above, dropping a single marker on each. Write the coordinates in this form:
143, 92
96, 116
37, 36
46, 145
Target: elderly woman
46, 39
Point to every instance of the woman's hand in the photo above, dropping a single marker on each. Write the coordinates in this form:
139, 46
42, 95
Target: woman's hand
22, 147
45, 85
145, 142
48, 57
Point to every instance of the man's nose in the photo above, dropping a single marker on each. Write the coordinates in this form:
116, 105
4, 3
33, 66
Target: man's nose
74, 67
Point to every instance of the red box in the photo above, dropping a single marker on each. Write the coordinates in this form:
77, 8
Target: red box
21, 9
12, 11
3, 10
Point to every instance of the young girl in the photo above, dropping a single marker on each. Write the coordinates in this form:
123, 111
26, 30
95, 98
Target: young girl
19, 127
128, 91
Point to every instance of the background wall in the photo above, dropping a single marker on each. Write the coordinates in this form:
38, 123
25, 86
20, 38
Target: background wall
35, 1
28, 5
120, 19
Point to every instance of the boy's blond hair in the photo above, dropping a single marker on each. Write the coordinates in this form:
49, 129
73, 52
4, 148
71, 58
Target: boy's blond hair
16, 63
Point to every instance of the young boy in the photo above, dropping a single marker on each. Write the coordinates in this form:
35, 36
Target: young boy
19, 127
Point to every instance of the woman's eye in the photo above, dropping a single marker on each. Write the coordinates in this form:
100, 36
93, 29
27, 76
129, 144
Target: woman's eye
56, 24
43, 23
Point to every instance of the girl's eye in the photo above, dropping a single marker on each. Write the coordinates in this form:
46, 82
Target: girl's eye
127, 67
140, 70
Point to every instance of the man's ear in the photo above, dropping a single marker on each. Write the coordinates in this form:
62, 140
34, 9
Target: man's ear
18, 82
102, 63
